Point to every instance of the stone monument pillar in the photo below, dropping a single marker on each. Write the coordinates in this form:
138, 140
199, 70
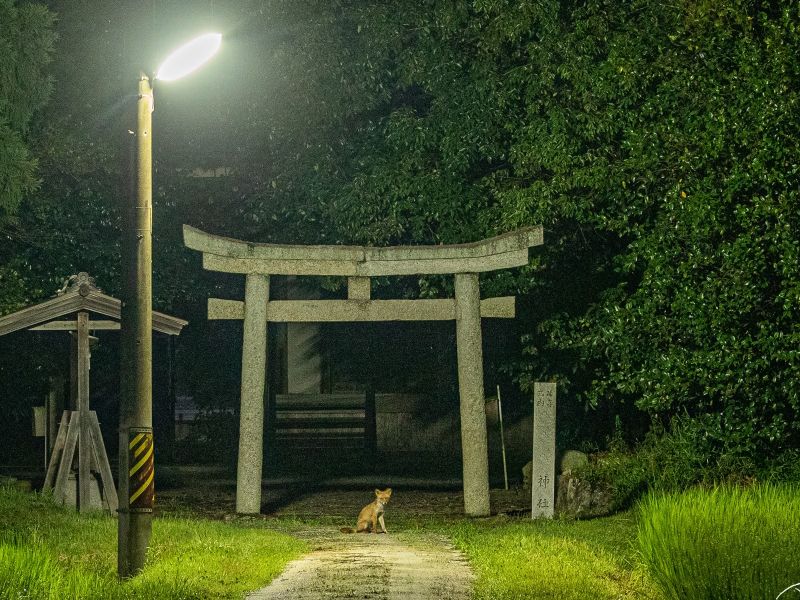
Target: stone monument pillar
543, 466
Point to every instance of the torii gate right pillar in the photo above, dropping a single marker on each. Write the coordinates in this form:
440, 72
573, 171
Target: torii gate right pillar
470, 386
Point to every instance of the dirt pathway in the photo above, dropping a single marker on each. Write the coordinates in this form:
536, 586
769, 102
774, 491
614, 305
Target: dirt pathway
387, 567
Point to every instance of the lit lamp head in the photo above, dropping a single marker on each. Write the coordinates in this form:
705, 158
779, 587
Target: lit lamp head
189, 57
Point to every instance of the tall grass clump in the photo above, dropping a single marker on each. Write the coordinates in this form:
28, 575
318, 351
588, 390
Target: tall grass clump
722, 543
49, 552
26, 573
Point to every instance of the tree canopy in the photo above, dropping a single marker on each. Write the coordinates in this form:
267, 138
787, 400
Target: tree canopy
26, 44
656, 142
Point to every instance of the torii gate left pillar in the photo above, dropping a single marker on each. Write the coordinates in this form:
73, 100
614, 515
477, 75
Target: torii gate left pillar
358, 264
251, 412
469, 346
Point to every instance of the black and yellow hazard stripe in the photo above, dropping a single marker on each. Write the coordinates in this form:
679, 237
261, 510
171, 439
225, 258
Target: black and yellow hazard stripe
141, 486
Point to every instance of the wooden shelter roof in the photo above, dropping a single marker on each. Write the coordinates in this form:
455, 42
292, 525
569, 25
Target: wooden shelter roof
79, 294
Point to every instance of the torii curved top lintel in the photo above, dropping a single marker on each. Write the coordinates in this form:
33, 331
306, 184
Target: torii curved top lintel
238, 256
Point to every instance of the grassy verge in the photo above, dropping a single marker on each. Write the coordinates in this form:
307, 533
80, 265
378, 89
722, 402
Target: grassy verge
727, 542
519, 558
49, 552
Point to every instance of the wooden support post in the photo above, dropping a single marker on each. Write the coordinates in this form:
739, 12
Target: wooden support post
54, 408
58, 450
474, 444
65, 465
73, 371
251, 417
84, 448
103, 466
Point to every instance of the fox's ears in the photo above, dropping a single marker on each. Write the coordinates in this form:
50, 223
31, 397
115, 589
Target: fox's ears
386, 491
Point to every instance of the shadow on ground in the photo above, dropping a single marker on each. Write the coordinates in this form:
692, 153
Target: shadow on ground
212, 494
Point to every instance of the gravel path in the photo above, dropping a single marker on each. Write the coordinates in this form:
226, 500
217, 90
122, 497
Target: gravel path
387, 567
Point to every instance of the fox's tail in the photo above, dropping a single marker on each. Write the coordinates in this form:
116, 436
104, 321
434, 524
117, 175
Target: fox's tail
347, 530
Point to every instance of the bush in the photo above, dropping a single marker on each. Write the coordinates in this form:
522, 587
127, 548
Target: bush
725, 542
677, 460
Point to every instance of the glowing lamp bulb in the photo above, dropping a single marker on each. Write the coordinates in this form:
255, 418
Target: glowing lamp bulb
189, 57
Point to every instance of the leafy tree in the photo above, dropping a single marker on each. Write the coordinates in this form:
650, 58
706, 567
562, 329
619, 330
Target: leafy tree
26, 44
656, 142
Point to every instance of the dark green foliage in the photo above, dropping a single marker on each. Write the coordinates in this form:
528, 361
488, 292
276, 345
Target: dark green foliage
656, 142
26, 42
705, 320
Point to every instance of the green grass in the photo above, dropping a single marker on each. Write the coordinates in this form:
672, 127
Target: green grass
51, 552
563, 559
728, 542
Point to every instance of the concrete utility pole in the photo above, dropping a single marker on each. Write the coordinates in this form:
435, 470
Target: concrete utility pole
136, 464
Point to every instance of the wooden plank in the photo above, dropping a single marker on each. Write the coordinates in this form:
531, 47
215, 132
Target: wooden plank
73, 326
73, 372
315, 439
55, 398
71, 302
45, 311
320, 421
315, 401
58, 449
101, 459
341, 413
65, 466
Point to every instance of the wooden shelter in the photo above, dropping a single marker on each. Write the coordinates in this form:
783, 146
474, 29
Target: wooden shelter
74, 309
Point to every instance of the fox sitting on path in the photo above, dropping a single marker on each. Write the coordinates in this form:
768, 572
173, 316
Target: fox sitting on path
371, 514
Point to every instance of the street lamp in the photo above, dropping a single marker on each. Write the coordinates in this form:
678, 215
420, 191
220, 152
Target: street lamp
136, 462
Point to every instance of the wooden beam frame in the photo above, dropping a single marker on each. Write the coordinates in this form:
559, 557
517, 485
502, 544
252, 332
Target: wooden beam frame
92, 301
73, 326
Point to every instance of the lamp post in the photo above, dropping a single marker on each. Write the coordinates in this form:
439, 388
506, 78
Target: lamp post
136, 460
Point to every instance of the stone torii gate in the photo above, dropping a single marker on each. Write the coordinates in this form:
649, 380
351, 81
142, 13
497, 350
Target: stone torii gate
465, 261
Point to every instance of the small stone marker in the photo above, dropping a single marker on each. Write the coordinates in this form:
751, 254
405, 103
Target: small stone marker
544, 450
